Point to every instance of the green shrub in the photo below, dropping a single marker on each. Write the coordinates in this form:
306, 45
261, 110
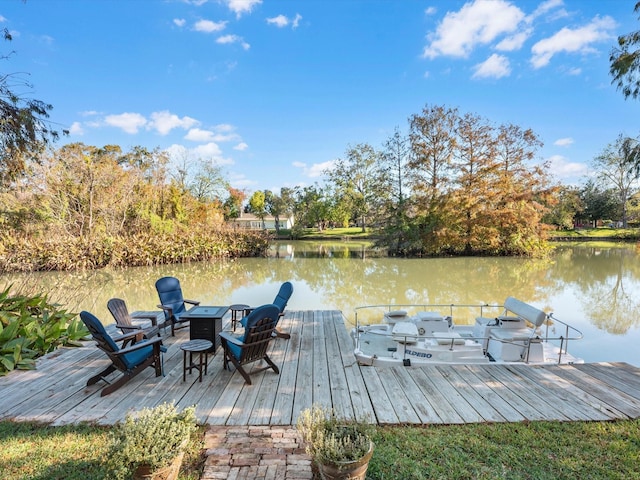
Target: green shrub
329, 439
153, 438
31, 326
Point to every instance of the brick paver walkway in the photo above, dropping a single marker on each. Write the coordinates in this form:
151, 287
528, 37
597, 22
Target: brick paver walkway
265, 452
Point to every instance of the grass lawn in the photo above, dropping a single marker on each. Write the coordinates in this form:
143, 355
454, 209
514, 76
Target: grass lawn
537, 450
603, 233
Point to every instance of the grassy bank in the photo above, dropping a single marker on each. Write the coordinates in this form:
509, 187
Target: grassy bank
539, 450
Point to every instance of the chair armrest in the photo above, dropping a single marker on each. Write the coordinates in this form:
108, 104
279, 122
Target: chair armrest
229, 337
192, 302
166, 308
126, 336
128, 327
139, 345
152, 318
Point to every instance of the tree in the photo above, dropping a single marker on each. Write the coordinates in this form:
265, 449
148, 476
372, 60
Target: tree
566, 208
233, 204
257, 205
470, 205
625, 63
358, 177
25, 130
433, 143
208, 184
396, 157
599, 204
612, 168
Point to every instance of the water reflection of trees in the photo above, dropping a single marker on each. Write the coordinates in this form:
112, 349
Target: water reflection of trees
607, 281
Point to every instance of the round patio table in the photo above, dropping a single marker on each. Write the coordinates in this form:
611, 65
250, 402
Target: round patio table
201, 347
235, 309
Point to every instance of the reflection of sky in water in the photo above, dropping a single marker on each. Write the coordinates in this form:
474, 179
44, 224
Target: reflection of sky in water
596, 290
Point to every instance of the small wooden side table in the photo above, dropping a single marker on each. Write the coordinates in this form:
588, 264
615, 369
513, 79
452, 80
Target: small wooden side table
235, 309
201, 347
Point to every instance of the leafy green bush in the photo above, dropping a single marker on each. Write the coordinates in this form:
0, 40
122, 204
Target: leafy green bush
152, 438
31, 326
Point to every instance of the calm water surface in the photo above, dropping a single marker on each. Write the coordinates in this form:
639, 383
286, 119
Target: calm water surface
596, 289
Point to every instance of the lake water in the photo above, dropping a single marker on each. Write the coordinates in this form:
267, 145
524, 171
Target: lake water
594, 288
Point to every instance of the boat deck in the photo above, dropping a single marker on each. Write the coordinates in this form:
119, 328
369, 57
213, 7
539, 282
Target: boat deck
317, 365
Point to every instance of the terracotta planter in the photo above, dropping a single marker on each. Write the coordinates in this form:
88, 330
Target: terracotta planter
170, 472
356, 470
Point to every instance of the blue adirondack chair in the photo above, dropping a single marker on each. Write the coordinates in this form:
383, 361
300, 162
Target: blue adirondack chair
252, 345
130, 360
281, 300
172, 303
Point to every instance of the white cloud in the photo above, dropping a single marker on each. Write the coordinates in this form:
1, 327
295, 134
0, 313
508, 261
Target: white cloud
163, 122
241, 147
128, 122
496, 66
199, 135
564, 142
514, 42
572, 40
564, 169
229, 39
208, 26
430, 11
546, 7
240, 7
179, 22
315, 170
282, 21
76, 129
2, 19
240, 181
478, 22
210, 151
220, 133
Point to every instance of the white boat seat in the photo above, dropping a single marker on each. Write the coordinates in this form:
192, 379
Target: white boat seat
395, 316
405, 332
429, 316
445, 338
511, 334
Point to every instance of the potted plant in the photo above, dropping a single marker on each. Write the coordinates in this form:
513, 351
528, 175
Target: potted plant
151, 444
341, 448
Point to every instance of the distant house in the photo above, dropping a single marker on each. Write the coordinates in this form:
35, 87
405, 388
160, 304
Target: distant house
252, 222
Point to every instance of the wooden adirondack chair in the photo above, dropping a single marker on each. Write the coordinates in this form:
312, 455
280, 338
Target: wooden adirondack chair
120, 312
130, 360
172, 303
253, 344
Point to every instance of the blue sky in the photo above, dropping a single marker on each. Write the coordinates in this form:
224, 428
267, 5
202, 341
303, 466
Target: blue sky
274, 91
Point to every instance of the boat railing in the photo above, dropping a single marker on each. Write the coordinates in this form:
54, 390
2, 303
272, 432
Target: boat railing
451, 307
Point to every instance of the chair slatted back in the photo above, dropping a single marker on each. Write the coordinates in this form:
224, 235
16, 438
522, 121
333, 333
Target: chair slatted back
257, 340
120, 312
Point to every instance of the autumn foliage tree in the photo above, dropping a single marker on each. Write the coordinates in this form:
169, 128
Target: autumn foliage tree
473, 188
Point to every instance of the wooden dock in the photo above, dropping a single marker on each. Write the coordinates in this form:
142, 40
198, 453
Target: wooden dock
317, 366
